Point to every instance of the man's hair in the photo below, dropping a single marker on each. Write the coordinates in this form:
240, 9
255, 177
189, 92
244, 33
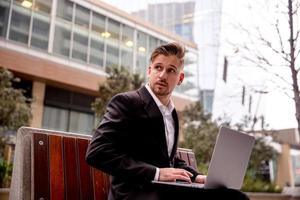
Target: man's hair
172, 48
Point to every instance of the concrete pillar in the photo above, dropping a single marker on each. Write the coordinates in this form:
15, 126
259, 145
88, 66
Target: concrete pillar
37, 106
285, 169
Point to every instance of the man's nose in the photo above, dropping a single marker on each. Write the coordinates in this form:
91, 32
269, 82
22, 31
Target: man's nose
163, 74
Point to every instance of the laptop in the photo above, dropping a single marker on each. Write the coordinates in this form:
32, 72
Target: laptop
228, 163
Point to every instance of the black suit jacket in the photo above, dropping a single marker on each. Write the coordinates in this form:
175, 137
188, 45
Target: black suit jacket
130, 143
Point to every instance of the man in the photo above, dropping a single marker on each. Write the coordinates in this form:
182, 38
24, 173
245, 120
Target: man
137, 139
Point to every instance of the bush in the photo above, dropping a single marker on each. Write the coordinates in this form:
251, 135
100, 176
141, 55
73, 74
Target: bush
258, 185
5, 173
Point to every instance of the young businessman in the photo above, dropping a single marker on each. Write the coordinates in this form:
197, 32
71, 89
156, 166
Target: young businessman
137, 139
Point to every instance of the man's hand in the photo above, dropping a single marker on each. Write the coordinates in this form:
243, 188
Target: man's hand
200, 179
173, 174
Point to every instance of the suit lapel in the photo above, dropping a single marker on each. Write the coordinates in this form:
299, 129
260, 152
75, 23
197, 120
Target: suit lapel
175, 118
154, 113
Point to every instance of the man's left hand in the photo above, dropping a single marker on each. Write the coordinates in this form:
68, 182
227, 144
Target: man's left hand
200, 179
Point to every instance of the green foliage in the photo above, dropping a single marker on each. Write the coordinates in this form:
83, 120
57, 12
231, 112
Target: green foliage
14, 112
261, 152
119, 80
258, 185
14, 109
199, 134
5, 173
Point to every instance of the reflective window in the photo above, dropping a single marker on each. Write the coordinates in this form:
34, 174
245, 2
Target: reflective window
141, 50
67, 120
82, 16
112, 38
40, 32
55, 118
62, 37
112, 56
97, 40
81, 122
96, 52
64, 9
42, 6
19, 28
113, 31
98, 24
68, 111
80, 44
153, 43
127, 47
4, 12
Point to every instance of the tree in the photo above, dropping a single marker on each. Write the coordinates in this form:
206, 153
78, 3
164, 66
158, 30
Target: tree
14, 112
119, 80
273, 46
199, 133
14, 106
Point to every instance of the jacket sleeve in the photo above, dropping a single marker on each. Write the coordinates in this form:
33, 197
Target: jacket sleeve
107, 151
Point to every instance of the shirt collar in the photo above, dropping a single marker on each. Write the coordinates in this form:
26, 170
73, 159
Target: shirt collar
164, 109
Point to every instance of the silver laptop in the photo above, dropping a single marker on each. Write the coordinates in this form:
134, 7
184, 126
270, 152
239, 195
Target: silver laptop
229, 161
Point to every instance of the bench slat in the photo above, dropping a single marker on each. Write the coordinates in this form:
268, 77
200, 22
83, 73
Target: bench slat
192, 160
41, 166
101, 185
84, 171
184, 156
56, 168
70, 169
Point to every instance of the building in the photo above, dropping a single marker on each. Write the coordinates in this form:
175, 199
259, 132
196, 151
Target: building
206, 98
62, 48
287, 167
175, 17
199, 21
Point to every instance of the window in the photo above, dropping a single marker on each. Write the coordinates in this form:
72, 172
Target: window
82, 17
153, 43
55, 118
112, 56
64, 10
112, 38
62, 37
141, 50
4, 12
98, 25
20, 21
97, 41
42, 6
81, 122
80, 44
127, 48
80, 34
96, 52
68, 111
40, 32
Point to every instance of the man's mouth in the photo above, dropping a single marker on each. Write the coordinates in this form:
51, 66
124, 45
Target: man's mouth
161, 84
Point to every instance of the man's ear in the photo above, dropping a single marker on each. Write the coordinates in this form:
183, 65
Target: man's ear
181, 77
149, 70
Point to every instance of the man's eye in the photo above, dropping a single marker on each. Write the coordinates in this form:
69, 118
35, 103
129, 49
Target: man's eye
172, 71
157, 67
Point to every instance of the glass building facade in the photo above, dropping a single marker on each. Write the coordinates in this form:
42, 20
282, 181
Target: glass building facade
81, 32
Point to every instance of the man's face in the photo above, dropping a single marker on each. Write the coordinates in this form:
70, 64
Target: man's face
164, 74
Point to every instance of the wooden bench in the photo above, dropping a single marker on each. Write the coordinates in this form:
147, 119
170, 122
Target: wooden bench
51, 165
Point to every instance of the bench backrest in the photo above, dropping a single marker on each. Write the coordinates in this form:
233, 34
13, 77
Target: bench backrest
51, 165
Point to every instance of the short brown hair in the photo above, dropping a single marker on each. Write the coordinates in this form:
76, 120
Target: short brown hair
172, 48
